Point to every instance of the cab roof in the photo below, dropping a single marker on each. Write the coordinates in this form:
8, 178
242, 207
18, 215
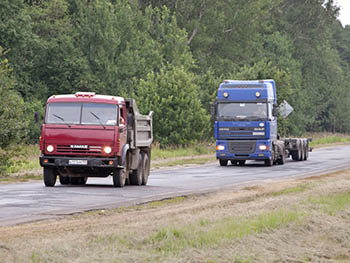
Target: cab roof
86, 97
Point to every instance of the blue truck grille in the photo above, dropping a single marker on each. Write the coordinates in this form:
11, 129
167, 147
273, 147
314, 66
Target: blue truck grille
241, 131
241, 147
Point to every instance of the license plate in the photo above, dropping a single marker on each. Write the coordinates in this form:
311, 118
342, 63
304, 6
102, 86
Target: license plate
78, 162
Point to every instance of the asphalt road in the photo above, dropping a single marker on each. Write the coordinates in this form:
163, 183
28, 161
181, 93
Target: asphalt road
25, 202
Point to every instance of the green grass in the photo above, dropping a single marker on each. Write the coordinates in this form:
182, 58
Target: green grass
319, 139
27, 158
331, 204
206, 233
297, 189
174, 152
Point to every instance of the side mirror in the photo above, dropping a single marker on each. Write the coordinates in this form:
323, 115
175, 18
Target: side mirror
274, 111
213, 111
285, 109
36, 117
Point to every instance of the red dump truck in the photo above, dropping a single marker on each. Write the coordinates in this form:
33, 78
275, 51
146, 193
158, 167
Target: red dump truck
88, 135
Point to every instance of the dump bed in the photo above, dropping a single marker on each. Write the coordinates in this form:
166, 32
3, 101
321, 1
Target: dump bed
140, 132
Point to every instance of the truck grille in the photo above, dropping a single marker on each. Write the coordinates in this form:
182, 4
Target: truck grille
241, 147
68, 149
241, 131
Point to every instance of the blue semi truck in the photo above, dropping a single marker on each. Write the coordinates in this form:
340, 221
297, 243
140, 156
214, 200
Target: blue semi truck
245, 116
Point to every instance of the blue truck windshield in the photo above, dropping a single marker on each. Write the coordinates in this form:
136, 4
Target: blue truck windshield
81, 113
242, 111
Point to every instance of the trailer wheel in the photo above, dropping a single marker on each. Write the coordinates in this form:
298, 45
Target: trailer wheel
136, 175
306, 155
282, 159
64, 180
302, 151
119, 177
296, 155
223, 162
146, 163
50, 176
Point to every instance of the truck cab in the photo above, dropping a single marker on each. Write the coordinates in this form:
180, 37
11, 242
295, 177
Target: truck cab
88, 135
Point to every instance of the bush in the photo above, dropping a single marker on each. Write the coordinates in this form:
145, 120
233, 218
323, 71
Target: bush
175, 98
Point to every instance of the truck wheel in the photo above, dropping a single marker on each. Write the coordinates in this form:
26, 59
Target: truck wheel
306, 154
302, 152
64, 180
146, 163
119, 177
268, 162
296, 155
50, 176
223, 162
282, 159
136, 175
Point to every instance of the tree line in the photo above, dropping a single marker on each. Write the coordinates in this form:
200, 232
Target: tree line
171, 55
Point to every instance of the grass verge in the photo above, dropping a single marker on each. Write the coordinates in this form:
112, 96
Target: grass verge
305, 223
212, 233
325, 139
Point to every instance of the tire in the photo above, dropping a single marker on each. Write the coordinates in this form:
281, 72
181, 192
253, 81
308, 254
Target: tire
282, 159
241, 163
296, 155
268, 162
136, 175
50, 176
306, 155
64, 180
223, 162
302, 152
119, 177
78, 180
146, 165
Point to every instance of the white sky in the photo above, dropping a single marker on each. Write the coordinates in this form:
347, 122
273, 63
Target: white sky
344, 16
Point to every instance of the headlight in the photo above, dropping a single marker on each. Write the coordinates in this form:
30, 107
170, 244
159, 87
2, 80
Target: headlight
263, 147
50, 148
220, 147
107, 149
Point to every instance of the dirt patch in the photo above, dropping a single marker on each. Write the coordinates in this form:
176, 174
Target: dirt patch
193, 229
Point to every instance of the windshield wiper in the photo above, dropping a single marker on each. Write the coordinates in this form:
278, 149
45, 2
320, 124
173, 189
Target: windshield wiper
98, 118
59, 117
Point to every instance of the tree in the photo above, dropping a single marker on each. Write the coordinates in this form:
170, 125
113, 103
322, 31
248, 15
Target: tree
12, 118
179, 117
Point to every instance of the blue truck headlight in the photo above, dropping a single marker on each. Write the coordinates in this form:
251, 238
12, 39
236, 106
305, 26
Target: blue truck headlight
263, 147
220, 147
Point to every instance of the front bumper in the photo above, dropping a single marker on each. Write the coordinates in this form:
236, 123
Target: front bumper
243, 153
80, 162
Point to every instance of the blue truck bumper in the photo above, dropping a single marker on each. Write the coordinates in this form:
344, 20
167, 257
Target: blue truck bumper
243, 150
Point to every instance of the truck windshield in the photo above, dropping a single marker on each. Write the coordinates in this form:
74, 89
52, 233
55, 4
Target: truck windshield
242, 111
81, 113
